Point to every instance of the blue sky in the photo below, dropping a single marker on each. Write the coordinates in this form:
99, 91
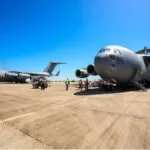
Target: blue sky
34, 32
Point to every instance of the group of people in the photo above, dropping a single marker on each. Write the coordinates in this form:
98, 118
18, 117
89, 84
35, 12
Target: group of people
86, 83
40, 83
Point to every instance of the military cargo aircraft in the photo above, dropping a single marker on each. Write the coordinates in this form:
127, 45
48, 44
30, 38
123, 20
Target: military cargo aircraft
21, 77
120, 65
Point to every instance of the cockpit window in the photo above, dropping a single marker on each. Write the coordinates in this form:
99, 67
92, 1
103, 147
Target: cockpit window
104, 50
117, 51
101, 50
107, 49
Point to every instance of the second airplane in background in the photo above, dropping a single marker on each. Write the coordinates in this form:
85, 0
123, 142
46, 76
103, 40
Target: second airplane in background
21, 77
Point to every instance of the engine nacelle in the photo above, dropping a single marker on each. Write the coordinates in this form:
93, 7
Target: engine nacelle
81, 73
23, 75
91, 70
10, 74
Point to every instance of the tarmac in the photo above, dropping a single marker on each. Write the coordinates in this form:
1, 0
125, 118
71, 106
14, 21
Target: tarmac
55, 118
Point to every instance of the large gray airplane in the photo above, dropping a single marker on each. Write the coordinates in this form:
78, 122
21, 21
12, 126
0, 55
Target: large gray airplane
21, 77
120, 65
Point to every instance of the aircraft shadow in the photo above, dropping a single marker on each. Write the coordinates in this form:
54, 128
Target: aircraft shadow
97, 91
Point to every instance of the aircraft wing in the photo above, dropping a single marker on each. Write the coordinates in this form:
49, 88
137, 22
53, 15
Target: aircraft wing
31, 73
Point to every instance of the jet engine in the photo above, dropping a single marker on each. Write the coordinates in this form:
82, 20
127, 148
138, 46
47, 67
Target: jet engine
91, 70
81, 73
9, 74
23, 75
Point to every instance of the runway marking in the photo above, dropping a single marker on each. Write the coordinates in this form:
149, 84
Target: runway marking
17, 117
13, 118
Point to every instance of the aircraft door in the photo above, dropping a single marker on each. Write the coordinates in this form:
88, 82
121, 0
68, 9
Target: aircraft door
134, 72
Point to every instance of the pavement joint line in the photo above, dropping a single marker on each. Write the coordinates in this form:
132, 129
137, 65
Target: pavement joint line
3, 121
28, 134
12, 118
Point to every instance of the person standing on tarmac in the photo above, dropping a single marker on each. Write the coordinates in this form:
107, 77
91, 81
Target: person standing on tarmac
42, 87
43, 83
86, 85
67, 83
80, 84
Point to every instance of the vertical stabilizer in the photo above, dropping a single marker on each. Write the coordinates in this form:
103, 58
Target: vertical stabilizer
51, 66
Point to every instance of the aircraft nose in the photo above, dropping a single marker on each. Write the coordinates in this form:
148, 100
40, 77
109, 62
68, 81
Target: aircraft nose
101, 63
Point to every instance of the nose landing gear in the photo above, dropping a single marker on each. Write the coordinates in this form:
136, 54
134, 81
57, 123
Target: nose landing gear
139, 86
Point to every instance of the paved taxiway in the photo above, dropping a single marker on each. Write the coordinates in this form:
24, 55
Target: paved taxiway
30, 118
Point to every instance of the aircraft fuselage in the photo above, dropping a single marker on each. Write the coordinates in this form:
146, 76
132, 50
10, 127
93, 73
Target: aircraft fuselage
119, 64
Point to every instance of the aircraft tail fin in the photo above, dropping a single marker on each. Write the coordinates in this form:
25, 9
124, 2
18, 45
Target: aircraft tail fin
51, 66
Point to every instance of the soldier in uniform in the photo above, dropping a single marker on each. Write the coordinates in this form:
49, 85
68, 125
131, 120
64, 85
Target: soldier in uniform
80, 84
86, 85
67, 83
